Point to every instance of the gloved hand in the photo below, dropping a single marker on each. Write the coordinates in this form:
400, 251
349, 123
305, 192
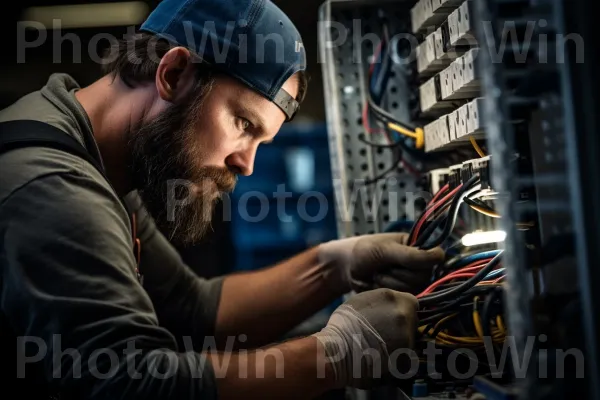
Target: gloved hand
381, 261
364, 332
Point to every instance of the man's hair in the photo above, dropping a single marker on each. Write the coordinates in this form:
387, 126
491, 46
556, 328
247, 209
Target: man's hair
135, 61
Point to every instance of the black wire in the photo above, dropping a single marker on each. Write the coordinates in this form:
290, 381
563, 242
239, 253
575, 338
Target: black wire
384, 173
479, 204
471, 292
458, 259
452, 215
457, 303
430, 229
440, 269
470, 283
429, 206
428, 327
385, 115
435, 317
432, 226
377, 110
485, 312
461, 326
439, 328
447, 285
450, 306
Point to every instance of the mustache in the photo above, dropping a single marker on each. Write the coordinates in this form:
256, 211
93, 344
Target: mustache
223, 177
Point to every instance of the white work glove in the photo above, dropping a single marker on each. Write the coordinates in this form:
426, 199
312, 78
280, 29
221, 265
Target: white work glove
381, 261
362, 334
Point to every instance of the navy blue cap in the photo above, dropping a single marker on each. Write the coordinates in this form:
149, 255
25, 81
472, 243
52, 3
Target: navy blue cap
252, 40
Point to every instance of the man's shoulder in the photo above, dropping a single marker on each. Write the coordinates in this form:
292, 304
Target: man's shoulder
66, 202
28, 163
24, 165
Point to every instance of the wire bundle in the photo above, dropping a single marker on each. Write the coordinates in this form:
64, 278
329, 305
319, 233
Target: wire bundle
462, 306
377, 76
441, 212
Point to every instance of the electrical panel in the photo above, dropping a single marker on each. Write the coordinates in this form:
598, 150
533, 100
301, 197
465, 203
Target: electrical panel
484, 133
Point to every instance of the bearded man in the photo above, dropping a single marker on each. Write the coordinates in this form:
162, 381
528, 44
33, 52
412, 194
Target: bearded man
95, 303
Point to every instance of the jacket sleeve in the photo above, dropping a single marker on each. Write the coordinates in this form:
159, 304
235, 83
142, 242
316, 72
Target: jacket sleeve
69, 291
185, 303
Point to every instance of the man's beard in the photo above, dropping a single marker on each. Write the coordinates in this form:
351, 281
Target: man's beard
178, 192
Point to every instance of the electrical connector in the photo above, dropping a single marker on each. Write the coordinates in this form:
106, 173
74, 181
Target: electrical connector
482, 166
437, 178
454, 176
466, 171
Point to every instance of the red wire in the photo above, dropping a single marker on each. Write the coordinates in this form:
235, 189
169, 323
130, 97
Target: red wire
471, 267
465, 272
444, 279
430, 210
440, 192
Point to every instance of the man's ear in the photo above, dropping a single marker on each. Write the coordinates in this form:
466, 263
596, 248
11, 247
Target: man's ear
175, 76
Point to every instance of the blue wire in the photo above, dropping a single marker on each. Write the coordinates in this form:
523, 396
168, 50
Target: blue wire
494, 274
475, 257
376, 71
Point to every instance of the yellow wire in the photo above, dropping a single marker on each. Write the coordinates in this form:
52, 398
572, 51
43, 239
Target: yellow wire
441, 321
485, 212
500, 324
498, 334
418, 134
494, 214
477, 320
447, 339
476, 146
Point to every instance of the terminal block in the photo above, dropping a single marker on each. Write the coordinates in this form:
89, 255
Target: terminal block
437, 178
436, 134
430, 99
460, 27
428, 14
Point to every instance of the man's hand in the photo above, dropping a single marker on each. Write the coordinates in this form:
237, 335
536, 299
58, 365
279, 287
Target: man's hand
381, 261
362, 334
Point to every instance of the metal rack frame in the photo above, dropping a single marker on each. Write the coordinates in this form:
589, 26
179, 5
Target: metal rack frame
344, 69
580, 87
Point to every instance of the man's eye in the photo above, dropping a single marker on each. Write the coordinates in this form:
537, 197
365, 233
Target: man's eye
244, 124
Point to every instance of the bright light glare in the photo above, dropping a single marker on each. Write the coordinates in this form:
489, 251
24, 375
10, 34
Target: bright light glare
87, 15
478, 238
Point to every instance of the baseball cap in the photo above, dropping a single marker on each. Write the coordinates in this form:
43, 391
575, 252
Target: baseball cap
251, 40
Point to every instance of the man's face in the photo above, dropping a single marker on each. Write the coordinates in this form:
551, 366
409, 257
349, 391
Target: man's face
186, 156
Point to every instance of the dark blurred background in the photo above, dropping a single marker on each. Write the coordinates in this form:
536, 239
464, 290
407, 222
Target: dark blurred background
298, 158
